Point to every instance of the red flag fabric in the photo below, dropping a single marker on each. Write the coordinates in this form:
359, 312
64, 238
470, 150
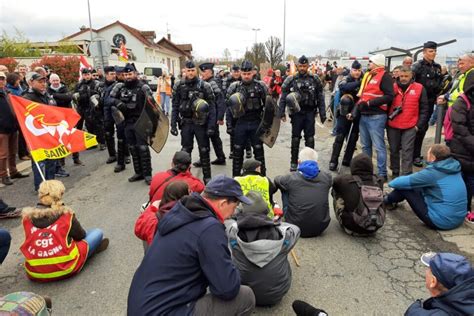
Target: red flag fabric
49, 130
123, 56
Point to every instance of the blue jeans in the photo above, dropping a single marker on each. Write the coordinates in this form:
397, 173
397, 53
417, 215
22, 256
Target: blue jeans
48, 167
5, 240
284, 201
337, 98
372, 132
416, 201
93, 238
165, 102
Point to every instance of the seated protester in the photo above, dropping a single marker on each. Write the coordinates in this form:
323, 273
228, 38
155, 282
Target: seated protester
145, 226
252, 180
305, 195
347, 197
260, 250
189, 254
436, 194
450, 280
180, 171
53, 233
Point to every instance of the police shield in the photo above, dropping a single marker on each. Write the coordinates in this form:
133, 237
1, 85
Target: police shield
153, 125
270, 125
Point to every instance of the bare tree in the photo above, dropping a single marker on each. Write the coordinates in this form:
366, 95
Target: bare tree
290, 57
335, 53
274, 51
257, 54
227, 55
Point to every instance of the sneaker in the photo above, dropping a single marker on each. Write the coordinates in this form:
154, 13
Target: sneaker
111, 159
104, 244
332, 166
10, 212
24, 158
19, 175
119, 168
389, 206
293, 167
303, 308
78, 162
470, 217
102, 147
7, 181
418, 162
197, 164
61, 173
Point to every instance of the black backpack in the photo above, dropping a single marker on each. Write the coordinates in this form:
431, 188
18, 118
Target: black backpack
369, 214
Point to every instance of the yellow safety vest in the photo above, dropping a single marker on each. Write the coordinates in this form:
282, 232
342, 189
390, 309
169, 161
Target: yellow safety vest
459, 89
258, 184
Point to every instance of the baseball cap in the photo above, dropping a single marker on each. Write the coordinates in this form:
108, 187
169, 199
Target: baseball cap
37, 76
449, 268
251, 165
182, 158
224, 186
2, 74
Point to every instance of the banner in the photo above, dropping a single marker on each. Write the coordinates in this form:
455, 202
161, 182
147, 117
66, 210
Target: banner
49, 130
123, 56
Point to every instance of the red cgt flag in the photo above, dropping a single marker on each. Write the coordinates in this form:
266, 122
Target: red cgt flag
49, 130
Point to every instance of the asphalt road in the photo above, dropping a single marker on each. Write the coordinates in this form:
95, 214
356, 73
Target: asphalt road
344, 275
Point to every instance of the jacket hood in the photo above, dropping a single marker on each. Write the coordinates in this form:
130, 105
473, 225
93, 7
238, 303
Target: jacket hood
42, 211
309, 169
254, 221
263, 251
457, 301
189, 209
448, 166
362, 165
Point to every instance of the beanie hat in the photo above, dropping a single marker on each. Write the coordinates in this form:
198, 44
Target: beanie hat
258, 206
378, 59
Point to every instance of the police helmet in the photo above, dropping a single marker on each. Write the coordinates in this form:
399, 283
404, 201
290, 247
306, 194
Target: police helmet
246, 66
201, 111
236, 103
293, 102
346, 104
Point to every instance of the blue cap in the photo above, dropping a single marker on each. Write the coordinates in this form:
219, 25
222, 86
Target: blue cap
223, 186
450, 269
118, 69
206, 66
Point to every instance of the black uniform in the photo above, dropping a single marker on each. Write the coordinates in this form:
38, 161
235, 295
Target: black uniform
348, 85
129, 97
220, 112
90, 114
429, 75
109, 126
247, 126
312, 102
194, 121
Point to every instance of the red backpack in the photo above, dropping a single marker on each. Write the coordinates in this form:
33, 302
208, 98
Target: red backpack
447, 124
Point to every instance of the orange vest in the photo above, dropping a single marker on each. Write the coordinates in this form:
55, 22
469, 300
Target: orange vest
48, 254
410, 103
371, 87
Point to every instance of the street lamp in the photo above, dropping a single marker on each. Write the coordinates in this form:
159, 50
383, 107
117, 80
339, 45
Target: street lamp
256, 30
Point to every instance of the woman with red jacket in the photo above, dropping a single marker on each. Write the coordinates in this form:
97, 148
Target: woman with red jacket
147, 222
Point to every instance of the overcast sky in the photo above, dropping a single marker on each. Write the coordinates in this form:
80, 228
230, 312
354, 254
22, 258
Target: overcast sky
211, 26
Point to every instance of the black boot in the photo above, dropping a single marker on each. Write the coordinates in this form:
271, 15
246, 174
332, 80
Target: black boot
231, 154
260, 156
110, 142
145, 159
336, 150
197, 164
121, 147
309, 142
127, 154
248, 151
205, 163
237, 161
295, 148
137, 166
217, 144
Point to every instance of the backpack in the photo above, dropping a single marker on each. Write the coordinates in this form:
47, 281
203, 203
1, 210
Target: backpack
369, 214
447, 124
24, 304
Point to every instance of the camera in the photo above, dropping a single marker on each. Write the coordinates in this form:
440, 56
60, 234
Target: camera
395, 112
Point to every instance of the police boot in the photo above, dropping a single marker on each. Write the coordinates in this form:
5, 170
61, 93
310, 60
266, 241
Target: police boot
145, 159
110, 142
197, 164
231, 154
127, 153
137, 166
248, 151
260, 156
206, 164
237, 160
295, 148
336, 150
309, 142
121, 147
217, 144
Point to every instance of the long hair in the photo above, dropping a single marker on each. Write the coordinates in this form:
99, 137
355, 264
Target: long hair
174, 191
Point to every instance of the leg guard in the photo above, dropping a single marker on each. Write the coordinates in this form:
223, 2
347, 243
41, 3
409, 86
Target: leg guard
137, 167
237, 161
309, 141
206, 163
145, 160
260, 156
295, 148
110, 142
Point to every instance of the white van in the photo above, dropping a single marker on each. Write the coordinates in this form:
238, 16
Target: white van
152, 71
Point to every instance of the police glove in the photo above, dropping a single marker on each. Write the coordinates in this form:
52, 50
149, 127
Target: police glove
174, 130
122, 107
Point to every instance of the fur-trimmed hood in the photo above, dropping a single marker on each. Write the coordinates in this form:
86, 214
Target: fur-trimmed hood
43, 211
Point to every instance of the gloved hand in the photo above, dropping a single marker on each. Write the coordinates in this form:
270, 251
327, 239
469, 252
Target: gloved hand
230, 130
174, 130
121, 106
210, 132
362, 105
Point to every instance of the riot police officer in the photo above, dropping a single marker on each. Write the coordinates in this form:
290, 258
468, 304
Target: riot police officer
194, 112
428, 73
207, 74
129, 98
347, 122
86, 96
109, 127
303, 95
246, 101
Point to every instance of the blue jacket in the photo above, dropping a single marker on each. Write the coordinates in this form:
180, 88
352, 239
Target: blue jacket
189, 253
444, 191
459, 300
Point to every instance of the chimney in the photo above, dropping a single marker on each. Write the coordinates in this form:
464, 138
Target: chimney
169, 37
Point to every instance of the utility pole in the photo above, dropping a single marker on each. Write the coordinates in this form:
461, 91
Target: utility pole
256, 30
90, 20
284, 27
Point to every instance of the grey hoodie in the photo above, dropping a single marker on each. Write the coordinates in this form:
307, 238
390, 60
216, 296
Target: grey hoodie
263, 263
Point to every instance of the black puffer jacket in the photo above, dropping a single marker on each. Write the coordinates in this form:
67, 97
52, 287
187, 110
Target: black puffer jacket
61, 95
462, 119
8, 123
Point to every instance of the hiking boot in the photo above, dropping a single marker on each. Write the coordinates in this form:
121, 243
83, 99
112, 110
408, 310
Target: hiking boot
197, 164
418, 162
111, 159
60, 172
136, 177
104, 244
7, 181
19, 175
332, 166
119, 168
219, 162
78, 162
293, 167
